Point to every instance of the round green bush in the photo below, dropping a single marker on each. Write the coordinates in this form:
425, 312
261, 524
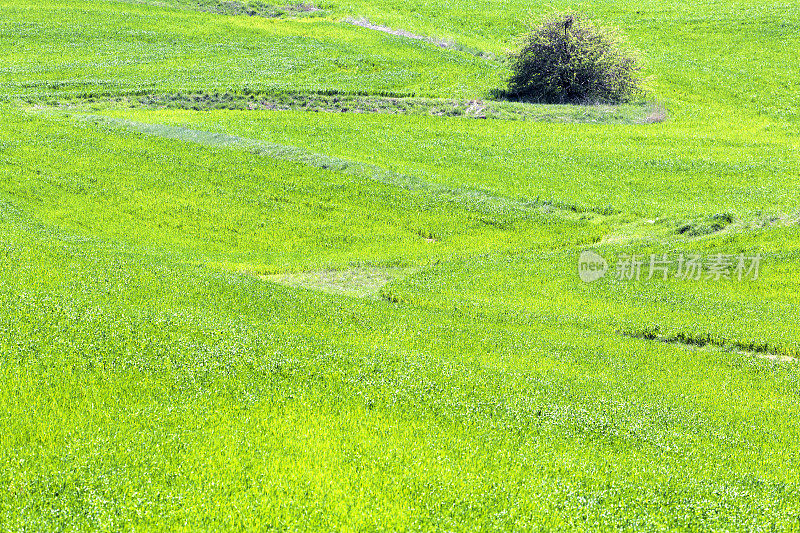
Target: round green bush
569, 59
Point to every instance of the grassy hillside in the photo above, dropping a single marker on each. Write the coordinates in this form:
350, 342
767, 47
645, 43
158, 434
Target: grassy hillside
58, 48
262, 268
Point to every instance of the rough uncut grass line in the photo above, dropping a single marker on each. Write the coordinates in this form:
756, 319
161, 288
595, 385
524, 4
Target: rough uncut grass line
347, 103
760, 349
237, 8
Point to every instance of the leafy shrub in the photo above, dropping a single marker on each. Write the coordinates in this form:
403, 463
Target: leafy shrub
569, 59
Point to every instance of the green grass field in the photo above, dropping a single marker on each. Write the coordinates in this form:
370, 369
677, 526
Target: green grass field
262, 268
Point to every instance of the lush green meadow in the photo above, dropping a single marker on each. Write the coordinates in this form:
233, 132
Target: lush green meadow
270, 271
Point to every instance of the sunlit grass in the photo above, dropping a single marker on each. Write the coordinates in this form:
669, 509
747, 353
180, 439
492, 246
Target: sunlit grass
298, 320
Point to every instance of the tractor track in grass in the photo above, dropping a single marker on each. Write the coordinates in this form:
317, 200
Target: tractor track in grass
363, 22
472, 199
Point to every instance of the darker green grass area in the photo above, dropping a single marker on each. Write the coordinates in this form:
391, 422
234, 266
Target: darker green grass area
142, 49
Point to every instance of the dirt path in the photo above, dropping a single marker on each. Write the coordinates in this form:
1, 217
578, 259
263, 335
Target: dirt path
441, 43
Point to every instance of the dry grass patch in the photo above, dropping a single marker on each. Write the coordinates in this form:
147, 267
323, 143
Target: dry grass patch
361, 282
